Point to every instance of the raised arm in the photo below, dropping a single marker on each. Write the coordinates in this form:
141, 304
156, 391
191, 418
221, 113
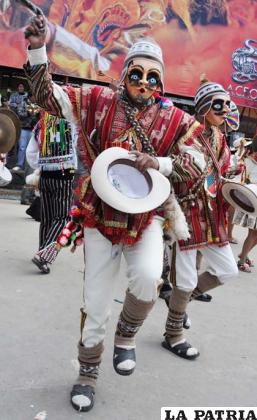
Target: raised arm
54, 99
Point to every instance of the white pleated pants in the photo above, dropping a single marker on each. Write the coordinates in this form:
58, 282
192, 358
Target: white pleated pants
220, 262
102, 266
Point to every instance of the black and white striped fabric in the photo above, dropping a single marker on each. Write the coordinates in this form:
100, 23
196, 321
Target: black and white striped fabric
56, 195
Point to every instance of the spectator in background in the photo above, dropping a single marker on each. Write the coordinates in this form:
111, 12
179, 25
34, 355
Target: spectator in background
4, 102
244, 219
20, 103
239, 150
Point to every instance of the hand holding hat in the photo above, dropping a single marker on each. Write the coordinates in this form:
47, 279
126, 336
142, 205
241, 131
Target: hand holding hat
144, 161
119, 183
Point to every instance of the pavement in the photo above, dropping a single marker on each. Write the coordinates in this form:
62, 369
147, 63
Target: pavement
39, 329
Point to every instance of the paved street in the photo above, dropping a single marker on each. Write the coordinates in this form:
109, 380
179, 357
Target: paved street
39, 328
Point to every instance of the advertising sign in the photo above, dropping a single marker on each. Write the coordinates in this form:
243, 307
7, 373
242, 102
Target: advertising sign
217, 38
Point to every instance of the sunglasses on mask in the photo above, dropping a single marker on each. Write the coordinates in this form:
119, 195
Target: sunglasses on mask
135, 76
218, 104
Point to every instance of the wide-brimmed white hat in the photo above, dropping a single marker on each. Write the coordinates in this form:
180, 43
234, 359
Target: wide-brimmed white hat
241, 197
241, 140
122, 186
5, 175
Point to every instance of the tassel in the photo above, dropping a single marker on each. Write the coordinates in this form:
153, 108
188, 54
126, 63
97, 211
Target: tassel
203, 79
49, 253
62, 134
44, 135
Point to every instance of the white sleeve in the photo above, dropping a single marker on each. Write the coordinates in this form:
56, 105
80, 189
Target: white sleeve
37, 57
32, 152
165, 165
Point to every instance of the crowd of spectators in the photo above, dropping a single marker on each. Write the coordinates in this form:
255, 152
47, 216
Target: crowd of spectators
20, 102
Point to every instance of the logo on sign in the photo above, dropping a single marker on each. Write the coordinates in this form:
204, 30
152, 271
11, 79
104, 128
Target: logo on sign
244, 61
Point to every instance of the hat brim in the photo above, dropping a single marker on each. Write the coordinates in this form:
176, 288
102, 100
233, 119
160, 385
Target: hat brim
159, 185
248, 143
241, 197
237, 141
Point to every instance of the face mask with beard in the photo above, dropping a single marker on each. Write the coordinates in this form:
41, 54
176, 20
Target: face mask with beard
143, 79
220, 107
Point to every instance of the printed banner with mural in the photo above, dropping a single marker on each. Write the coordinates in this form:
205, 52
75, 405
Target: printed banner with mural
215, 37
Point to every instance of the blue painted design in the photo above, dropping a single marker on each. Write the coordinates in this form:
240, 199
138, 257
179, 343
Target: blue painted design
95, 38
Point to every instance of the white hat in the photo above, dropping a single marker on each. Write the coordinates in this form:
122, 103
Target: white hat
241, 197
5, 175
119, 184
245, 142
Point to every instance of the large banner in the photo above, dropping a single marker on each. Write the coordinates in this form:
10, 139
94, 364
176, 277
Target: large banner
217, 38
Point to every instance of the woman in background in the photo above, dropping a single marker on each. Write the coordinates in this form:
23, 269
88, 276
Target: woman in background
246, 220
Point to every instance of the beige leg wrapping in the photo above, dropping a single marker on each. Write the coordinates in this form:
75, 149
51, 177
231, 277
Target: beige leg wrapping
206, 281
177, 308
133, 314
89, 359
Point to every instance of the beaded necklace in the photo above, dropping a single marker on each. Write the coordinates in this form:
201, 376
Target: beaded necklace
131, 113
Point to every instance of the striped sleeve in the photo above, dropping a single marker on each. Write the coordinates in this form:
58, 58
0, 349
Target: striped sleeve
184, 168
48, 95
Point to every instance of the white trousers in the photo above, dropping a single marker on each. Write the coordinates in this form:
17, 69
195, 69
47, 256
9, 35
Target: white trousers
220, 262
102, 265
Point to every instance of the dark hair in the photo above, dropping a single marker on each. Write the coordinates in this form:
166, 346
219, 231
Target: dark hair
4, 99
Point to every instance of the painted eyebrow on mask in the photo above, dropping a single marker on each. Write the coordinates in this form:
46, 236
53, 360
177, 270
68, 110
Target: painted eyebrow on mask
137, 66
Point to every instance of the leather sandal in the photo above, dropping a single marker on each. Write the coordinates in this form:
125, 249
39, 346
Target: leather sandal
119, 356
82, 390
243, 266
180, 349
204, 297
249, 262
